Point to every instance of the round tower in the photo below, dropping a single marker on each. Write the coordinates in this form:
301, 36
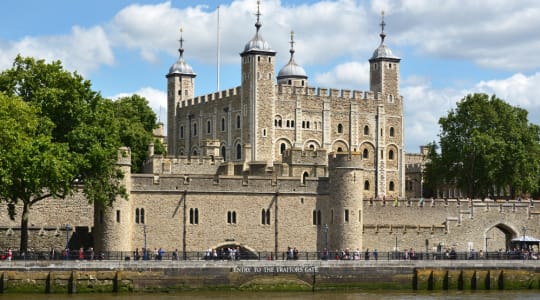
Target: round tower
344, 206
113, 223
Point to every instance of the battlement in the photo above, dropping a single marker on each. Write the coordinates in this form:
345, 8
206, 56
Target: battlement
299, 156
223, 94
182, 165
284, 89
344, 160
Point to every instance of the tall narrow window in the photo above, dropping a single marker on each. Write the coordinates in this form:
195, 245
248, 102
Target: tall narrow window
181, 132
365, 154
194, 129
392, 131
391, 154
314, 217
332, 216
263, 216
304, 176
282, 148
366, 185
208, 127
391, 186
238, 122
137, 216
223, 153
340, 128
222, 124
191, 216
319, 217
238, 151
118, 216
366, 130
346, 216
142, 215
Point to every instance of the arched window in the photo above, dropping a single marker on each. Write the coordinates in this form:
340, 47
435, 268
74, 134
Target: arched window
340, 128
304, 176
223, 153
392, 131
366, 130
282, 148
311, 147
391, 186
238, 151
279, 123
365, 154
390, 99
391, 154
366, 185
339, 149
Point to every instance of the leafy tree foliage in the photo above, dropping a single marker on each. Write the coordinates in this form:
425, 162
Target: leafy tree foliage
488, 147
33, 167
137, 122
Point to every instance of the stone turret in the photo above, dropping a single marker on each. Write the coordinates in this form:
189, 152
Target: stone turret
113, 224
344, 209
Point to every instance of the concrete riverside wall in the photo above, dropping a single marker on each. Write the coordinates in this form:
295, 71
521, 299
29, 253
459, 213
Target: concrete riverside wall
121, 276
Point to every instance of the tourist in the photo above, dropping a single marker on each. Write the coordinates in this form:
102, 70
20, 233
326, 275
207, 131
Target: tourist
366, 254
81, 253
175, 254
376, 254
9, 254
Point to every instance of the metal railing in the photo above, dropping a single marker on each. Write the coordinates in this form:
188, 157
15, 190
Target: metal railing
243, 255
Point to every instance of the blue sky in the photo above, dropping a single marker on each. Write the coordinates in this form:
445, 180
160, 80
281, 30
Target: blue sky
449, 48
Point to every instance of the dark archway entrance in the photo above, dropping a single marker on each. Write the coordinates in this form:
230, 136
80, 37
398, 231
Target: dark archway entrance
231, 251
499, 238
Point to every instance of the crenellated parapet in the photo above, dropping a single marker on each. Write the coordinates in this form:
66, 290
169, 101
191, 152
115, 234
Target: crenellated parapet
297, 156
183, 165
217, 96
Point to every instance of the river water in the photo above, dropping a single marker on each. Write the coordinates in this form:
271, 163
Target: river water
347, 295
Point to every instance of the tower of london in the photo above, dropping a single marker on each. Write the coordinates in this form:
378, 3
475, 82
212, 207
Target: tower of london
276, 163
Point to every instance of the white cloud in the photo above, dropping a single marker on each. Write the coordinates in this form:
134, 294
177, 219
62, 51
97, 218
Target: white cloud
83, 50
351, 75
424, 105
491, 33
157, 99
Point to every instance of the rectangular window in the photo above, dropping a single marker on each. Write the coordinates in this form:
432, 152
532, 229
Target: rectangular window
346, 216
118, 216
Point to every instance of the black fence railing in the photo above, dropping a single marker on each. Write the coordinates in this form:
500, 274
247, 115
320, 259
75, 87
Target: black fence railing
244, 255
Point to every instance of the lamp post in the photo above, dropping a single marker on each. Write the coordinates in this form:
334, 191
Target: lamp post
326, 239
67, 240
145, 248
524, 230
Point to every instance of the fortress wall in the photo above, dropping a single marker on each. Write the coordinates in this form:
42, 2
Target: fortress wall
450, 225
47, 222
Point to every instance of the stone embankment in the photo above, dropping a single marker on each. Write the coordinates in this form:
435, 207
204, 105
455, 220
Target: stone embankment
143, 276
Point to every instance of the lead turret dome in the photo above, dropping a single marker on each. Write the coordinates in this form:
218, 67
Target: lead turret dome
292, 69
180, 66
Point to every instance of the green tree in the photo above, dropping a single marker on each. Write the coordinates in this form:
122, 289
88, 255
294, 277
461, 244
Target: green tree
434, 172
488, 147
75, 139
137, 122
33, 167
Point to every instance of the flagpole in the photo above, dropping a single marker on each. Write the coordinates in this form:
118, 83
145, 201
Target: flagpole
218, 46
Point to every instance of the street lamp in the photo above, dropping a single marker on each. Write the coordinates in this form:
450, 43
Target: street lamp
145, 248
326, 239
524, 230
67, 240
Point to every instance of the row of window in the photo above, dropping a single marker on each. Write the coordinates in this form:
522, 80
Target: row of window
209, 127
391, 154
306, 124
317, 216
